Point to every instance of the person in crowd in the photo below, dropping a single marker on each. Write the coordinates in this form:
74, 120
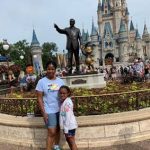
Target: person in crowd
22, 81
47, 94
11, 80
113, 72
146, 72
67, 119
121, 70
106, 74
31, 80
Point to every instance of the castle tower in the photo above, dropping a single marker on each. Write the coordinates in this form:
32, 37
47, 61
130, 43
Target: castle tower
117, 14
36, 52
146, 39
110, 13
95, 42
118, 39
94, 34
123, 42
85, 37
138, 40
132, 33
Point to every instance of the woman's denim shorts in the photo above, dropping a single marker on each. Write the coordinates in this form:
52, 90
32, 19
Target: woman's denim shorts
53, 120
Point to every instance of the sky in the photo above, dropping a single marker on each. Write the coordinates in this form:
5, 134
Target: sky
19, 17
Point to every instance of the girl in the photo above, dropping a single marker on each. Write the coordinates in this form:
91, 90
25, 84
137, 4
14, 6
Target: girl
67, 119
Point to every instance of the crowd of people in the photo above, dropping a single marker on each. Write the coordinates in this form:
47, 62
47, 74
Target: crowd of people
26, 81
138, 70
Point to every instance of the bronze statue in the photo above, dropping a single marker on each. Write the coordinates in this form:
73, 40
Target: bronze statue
73, 43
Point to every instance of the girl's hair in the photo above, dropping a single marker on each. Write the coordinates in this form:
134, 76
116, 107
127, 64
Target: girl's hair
51, 63
67, 88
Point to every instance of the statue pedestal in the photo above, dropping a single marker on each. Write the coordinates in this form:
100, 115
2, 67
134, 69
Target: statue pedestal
85, 81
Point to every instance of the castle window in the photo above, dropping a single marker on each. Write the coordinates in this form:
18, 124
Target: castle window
106, 44
110, 44
105, 11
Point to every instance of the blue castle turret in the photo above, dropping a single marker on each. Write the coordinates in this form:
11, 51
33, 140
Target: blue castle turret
36, 52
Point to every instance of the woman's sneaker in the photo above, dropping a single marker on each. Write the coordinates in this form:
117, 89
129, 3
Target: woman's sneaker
56, 147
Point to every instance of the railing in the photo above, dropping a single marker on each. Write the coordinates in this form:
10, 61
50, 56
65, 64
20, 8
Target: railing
4, 86
5, 91
83, 105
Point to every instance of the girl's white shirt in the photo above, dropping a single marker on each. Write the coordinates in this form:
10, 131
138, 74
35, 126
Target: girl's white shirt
67, 119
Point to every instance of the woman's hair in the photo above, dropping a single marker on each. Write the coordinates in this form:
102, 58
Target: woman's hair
67, 88
51, 63
10, 72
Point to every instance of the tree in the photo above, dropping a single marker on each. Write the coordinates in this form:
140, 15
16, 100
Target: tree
48, 50
18, 49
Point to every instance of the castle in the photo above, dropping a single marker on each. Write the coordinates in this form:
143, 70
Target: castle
116, 39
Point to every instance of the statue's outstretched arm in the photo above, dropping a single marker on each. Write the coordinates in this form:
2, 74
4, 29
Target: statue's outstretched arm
62, 31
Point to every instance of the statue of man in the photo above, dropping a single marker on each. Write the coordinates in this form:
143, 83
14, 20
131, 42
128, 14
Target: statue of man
73, 43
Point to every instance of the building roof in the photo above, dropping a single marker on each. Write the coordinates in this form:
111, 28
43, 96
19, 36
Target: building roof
3, 58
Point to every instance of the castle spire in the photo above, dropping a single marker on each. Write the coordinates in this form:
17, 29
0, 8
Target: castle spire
94, 30
131, 26
145, 31
99, 5
137, 37
127, 12
35, 41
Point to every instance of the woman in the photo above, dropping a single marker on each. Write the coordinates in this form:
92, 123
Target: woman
47, 94
12, 80
22, 81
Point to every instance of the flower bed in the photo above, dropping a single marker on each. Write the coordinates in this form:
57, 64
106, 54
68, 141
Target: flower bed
114, 98
112, 87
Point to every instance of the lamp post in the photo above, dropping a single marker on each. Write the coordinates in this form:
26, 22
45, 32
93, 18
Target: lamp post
21, 57
6, 47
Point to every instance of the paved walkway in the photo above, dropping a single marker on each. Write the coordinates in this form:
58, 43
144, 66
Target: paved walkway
145, 145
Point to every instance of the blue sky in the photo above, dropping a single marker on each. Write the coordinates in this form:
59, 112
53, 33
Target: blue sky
19, 17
